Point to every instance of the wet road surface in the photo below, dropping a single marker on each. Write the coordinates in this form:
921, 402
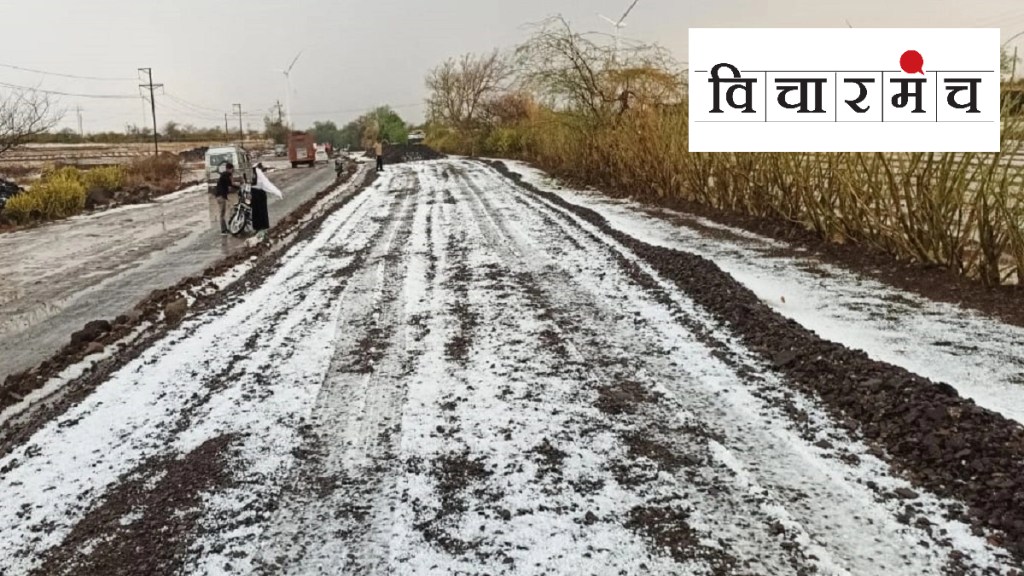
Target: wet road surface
59, 276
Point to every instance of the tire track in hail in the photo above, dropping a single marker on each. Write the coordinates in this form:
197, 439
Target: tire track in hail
645, 421
347, 457
814, 514
775, 505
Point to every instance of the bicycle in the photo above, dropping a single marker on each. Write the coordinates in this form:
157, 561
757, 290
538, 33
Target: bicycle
241, 215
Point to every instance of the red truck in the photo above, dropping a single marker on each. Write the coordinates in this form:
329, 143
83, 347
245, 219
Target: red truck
301, 149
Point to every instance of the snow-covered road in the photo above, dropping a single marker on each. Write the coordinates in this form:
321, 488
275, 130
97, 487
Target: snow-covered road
455, 375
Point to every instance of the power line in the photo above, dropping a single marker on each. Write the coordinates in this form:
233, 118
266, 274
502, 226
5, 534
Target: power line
171, 105
175, 112
74, 94
45, 73
184, 102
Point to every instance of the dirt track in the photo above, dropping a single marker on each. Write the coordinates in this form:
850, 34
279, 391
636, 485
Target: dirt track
456, 374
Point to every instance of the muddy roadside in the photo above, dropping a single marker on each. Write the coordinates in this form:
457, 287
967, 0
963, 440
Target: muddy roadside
121, 339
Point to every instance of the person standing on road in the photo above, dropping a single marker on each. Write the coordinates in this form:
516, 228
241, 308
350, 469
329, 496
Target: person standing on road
378, 148
260, 215
225, 184
262, 186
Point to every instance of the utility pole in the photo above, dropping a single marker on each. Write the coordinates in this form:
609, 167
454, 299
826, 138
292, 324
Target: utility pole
152, 104
238, 110
78, 110
280, 114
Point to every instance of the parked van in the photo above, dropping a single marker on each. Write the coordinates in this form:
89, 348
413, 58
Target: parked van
216, 158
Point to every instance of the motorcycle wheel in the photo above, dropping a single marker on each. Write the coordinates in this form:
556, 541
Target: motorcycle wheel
237, 223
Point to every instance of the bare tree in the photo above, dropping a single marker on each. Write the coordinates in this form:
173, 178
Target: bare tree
459, 87
23, 115
573, 72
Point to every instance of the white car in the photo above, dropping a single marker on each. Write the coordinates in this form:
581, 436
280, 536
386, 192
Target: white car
215, 160
417, 137
321, 153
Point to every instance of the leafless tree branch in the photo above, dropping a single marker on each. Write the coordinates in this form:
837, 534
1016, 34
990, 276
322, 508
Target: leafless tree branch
23, 115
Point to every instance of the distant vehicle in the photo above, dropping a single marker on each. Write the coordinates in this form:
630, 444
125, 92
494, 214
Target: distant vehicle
280, 150
417, 137
301, 149
321, 153
215, 160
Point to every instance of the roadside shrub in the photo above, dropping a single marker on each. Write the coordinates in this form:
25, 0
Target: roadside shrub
61, 172
163, 173
105, 179
59, 194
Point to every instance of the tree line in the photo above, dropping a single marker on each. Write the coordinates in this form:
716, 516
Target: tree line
380, 123
30, 117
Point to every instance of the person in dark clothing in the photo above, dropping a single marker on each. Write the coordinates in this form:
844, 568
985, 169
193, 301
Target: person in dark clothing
378, 149
225, 185
260, 214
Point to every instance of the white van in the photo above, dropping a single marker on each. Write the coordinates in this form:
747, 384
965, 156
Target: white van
321, 154
216, 158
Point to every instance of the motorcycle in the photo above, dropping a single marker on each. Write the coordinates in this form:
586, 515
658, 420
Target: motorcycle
241, 215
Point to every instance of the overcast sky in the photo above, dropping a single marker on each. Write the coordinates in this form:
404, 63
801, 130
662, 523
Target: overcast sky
358, 54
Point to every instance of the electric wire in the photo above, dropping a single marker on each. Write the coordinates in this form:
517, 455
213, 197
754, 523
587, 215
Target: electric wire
75, 76
73, 94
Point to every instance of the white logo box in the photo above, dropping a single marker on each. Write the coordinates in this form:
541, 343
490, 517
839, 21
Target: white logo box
833, 59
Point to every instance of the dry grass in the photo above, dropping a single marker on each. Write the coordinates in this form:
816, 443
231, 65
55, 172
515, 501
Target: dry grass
163, 173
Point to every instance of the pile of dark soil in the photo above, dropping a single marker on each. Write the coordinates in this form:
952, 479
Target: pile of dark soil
164, 496
8, 190
407, 153
926, 430
194, 155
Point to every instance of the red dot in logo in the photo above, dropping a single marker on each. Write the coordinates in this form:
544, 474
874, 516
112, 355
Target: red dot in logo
912, 62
